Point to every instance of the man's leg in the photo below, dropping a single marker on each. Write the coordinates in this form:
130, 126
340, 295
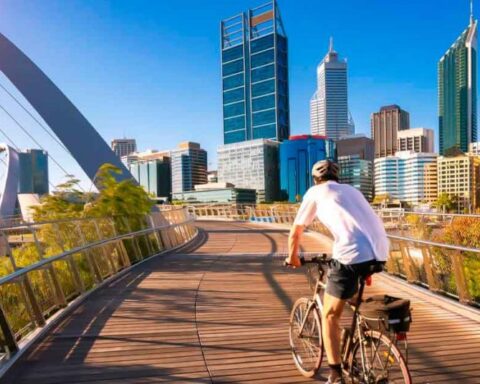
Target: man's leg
332, 312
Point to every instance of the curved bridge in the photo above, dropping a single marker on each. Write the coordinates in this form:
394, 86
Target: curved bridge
217, 311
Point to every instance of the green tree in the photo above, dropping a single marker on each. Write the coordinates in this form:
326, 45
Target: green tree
449, 202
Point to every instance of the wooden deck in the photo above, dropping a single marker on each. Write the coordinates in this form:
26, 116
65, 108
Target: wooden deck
219, 313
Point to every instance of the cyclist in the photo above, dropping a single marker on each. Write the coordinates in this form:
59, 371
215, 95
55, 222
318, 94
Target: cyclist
359, 245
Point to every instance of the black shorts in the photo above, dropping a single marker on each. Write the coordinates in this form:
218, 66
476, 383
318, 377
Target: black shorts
343, 279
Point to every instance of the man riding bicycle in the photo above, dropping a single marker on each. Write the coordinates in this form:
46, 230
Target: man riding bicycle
359, 245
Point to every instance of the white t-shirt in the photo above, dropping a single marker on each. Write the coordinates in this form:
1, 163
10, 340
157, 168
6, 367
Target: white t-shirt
358, 233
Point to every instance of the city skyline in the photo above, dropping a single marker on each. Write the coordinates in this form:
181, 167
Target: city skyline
98, 106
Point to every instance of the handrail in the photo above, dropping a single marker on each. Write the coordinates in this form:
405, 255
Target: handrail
434, 244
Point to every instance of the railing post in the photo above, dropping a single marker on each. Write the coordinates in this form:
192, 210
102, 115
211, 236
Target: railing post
138, 251
33, 303
428, 264
460, 279
106, 254
155, 233
8, 336
123, 251
407, 263
92, 263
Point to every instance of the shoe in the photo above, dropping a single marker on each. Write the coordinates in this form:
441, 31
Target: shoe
338, 380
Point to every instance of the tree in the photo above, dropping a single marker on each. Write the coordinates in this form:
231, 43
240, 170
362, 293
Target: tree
381, 199
449, 202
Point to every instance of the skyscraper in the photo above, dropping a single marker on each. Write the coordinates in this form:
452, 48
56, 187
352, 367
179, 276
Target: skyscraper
457, 92
415, 139
189, 166
123, 147
329, 114
385, 125
255, 76
33, 172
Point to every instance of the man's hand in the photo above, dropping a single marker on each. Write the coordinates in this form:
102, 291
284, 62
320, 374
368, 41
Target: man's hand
293, 261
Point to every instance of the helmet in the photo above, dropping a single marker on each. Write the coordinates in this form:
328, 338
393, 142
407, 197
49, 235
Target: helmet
326, 170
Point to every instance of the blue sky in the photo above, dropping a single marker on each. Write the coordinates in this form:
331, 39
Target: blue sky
151, 70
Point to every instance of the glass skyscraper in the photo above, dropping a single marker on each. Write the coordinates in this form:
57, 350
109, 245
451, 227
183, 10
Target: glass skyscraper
155, 176
255, 76
457, 92
297, 157
33, 173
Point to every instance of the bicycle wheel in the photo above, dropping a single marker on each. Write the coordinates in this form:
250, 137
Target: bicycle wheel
384, 363
307, 348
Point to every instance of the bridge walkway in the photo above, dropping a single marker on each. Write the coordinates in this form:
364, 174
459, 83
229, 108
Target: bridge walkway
219, 313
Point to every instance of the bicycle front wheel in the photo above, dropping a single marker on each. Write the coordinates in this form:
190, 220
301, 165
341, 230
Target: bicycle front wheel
307, 345
382, 362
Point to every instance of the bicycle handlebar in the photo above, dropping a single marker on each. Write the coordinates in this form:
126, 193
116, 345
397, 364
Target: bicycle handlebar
320, 260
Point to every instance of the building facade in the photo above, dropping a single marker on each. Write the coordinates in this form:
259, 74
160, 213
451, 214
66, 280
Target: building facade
254, 50
356, 145
457, 92
329, 115
154, 176
416, 140
251, 164
297, 157
225, 193
358, 173
33, 172
189, 166
123, 147
384, 127
431, 183
402, 176
474, 148
459, 176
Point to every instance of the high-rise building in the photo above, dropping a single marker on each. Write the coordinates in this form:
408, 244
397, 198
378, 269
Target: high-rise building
358, 173
154, 176
329, 114
255, 76
430, 183
297, 157
457, 92
384, 125
459, 176
33, 172
474, 148
402, 176
251, 164
189, 166
355, 157
123, 147
415, 139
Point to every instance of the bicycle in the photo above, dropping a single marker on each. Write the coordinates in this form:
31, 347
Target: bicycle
370, 354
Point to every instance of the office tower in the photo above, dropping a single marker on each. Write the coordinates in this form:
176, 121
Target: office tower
459, 176
474, 148
254, 51
123, 147
223, 193
154, 176
402, 176
431, 183
189, 166
297, 157
359, 145
251, 164
415, 139
457, 92
355, 157
33, 172
329, 114
384, 125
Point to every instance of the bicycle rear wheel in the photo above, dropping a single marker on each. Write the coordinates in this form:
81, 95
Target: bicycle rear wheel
383, 364
307, 348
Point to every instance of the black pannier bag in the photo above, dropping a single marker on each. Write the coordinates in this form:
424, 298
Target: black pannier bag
386, 313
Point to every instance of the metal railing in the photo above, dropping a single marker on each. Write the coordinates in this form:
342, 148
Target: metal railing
451, 270
65, 260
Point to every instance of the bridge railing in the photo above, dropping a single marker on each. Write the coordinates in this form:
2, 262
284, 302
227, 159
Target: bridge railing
446, 269
60, 262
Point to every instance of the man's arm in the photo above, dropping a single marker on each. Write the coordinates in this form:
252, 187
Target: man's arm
293, 245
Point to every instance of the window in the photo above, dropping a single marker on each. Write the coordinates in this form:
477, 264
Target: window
233, 67
232, 53
264, 102
234, 137
282, 73
281, 43
234, 109
263, 73
283, 103
282, 58
263, 88
234, 123
233, 81
266, 117
261, 44
282, 88
267, 132
262, 58
233, 95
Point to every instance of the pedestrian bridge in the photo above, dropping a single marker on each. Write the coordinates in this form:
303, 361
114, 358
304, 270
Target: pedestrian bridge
211, 308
